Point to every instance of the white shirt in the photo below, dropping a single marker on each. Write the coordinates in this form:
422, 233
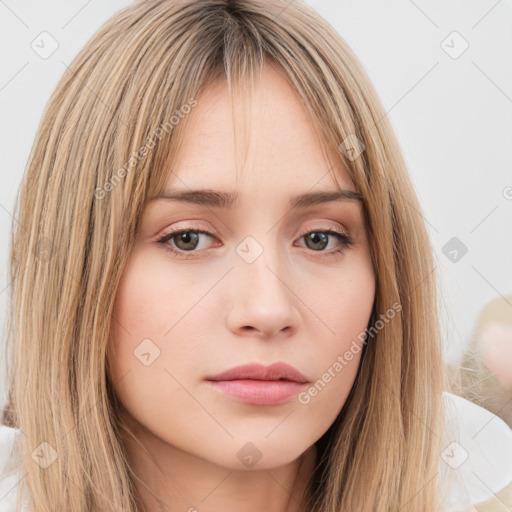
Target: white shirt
475, 463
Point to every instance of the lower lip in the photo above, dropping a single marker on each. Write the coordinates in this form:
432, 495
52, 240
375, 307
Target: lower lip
259, 392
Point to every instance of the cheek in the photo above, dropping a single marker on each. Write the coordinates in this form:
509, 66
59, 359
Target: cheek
151, 298
148, 339
159, 324
146, 306
343, 305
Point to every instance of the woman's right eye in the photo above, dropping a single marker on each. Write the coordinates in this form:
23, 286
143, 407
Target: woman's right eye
183, 241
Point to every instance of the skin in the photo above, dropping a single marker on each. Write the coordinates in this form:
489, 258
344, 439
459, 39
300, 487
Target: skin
297, 302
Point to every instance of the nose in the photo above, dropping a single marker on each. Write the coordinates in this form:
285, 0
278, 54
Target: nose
262, 299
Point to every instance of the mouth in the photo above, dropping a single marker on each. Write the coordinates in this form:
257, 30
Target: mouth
256, 384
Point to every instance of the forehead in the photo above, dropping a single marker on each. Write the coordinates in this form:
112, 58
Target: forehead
258, 142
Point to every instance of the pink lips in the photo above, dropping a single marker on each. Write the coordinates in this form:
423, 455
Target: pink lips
258, 384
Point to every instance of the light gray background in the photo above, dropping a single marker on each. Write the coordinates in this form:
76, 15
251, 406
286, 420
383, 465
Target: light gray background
453, 117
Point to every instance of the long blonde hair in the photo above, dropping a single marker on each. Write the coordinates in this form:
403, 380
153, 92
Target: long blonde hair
106, 141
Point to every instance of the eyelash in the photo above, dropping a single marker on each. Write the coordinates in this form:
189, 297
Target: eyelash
346, 242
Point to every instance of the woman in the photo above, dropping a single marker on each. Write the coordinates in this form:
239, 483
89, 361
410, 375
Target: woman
215, 198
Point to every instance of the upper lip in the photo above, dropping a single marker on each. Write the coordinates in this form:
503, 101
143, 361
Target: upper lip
256, 371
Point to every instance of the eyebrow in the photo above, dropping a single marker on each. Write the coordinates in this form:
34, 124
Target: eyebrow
218, 199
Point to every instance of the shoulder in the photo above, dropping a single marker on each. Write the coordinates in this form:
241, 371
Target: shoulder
10, 475
476, 458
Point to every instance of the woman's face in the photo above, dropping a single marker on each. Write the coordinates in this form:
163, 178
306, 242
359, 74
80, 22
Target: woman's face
267, 283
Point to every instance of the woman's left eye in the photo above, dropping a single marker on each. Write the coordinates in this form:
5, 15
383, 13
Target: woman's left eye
187, 241
320, 239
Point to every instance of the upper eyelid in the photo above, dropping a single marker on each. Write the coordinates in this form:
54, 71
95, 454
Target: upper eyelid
209, 233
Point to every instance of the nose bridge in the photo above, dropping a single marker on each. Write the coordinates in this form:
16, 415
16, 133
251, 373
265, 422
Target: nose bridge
261, 297
260, 261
